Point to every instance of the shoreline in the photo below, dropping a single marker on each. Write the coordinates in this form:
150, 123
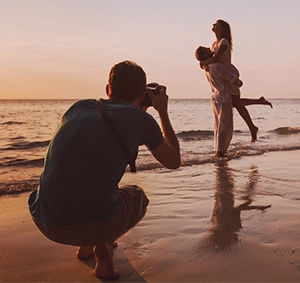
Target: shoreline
19, 180
181, 239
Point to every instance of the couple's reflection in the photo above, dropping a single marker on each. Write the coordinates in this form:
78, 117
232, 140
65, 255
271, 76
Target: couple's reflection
226, 216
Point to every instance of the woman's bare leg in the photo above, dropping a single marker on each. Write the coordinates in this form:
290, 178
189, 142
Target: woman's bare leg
104, 262
260, 101
240, 107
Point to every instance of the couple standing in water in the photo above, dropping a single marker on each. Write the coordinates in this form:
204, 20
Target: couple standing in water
225, 84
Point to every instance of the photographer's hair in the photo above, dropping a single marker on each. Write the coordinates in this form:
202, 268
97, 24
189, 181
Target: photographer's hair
200, 54
127, 81
226, 32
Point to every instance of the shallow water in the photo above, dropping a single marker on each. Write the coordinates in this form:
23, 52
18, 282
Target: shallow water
213, 210
27, 127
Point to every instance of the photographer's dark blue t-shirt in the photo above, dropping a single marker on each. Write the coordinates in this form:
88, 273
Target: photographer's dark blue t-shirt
84, 163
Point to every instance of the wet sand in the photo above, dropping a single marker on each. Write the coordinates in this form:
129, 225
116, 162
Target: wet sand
235, 221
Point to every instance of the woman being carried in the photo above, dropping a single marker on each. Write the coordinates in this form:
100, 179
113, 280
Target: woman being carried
222, 48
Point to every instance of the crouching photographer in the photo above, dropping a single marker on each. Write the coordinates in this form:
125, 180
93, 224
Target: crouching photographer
79, 201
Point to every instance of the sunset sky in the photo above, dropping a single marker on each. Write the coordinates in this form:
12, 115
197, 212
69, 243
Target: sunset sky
65, 48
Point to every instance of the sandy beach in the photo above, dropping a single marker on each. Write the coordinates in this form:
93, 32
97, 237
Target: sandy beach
235, 221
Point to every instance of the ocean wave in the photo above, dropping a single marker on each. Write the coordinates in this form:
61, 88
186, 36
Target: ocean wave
146, 163
198, 135
20, 186
195, 135
14, 188
286, 130
39, 162
26, 145
12, 123
234, 153
17, 138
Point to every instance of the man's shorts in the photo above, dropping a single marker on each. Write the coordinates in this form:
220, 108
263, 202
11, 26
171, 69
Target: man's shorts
132, 207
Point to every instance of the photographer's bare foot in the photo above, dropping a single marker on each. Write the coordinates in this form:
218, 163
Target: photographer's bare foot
88, 251
264, 101
104, 262
85, 252
106, 275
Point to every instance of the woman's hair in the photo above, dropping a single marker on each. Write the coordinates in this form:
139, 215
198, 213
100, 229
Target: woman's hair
127, 81
226, 32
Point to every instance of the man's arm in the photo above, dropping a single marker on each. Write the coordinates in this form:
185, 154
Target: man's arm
215, 58
168, 153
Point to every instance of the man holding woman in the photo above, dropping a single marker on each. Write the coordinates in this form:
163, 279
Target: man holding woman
221, 53
219, 78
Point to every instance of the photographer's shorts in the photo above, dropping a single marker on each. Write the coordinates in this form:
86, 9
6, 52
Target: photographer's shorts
132, 202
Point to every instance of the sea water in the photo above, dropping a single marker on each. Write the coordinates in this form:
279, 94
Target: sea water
26, 127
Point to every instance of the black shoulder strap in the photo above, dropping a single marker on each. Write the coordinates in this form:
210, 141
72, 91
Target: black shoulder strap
114, 130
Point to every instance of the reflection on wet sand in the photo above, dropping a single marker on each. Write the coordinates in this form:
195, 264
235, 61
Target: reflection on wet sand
226, 217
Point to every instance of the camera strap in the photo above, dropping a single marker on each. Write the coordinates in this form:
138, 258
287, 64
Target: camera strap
115, 132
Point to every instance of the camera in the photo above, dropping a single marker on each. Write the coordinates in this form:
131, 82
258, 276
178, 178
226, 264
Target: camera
147, 100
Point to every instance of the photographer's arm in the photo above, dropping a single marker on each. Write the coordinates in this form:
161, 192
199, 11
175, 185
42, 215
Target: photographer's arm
168, 153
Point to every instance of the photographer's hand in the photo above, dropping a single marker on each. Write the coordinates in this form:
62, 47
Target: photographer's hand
167, 153
159, 101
